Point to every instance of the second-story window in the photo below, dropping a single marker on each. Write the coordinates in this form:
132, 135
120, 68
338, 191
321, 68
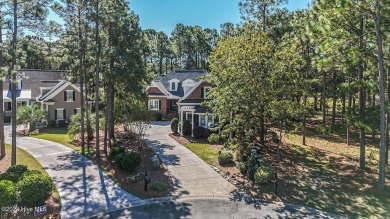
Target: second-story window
173, 86
69, 96
205, 92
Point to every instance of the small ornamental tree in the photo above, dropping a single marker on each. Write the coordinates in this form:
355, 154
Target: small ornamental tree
175, 125
30, 115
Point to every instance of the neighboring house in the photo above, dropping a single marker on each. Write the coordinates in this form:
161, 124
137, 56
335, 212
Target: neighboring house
49, 90
179, 94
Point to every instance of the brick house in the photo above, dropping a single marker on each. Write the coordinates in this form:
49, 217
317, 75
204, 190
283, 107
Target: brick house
179, 94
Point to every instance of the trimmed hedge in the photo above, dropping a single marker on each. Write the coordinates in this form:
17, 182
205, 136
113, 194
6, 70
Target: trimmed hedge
31, 172
175, 125
35, 189
115, 151
18, 169
13, 177
131, 161
225, 158
263, 174
7, 193
128, 160
199, 132
118, 160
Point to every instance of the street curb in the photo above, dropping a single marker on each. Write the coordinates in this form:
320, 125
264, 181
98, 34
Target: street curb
131, 205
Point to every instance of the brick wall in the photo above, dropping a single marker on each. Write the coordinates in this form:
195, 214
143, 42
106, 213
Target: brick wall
197, 93
154, 90
164, 105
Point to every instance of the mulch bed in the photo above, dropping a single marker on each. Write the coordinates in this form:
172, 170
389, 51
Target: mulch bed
128, 140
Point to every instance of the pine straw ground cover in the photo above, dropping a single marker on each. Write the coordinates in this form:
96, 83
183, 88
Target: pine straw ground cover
311, 176
161, 182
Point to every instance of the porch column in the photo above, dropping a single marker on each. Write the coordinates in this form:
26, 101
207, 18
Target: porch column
28, 103
181, 122
192, 128
47, 107
41, 106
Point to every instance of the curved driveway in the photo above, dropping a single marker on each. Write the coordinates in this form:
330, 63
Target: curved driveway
85, 190
190, 174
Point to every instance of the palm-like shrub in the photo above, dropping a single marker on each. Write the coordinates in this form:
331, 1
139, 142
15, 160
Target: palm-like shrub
30, 115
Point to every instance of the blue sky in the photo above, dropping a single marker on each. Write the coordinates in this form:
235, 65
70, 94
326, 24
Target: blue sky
163, 15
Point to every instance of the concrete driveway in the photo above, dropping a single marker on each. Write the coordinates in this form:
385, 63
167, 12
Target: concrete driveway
191, 175
85, 190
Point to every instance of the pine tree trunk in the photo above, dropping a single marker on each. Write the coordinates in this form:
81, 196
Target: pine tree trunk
97, 85
304, 120
262, 126
81, 82
324, 99
362, 101
2, 143
382, 149
315, 101
112, 115
349, 111
13, 87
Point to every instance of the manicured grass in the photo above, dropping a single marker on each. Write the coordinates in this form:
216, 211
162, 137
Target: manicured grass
204, 151
24, 158
60, 136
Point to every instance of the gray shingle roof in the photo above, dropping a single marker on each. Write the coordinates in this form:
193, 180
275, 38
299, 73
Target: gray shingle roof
192, 101
55, 88
203, 110
180, 75
36, 79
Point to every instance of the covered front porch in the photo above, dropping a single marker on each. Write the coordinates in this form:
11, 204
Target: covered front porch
197, 116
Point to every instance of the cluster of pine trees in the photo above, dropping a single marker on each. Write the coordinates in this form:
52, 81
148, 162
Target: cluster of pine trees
279, 67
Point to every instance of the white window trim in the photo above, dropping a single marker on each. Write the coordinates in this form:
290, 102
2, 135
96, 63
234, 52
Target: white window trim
60, 109
158, 105
188, 113
205, 93
206, 121
69, 101
170, 86
78, 110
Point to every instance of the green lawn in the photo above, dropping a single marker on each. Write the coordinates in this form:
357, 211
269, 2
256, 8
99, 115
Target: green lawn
204, 151
24, 158
60, 136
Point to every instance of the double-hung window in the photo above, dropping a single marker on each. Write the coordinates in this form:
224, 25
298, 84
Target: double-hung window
69, 96
154, 104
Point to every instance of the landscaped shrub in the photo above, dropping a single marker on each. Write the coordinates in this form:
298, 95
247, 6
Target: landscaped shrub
187, 127
18, 169
35, 189
174, 125
62, 123
243, 167
263, 174
115, 151
225, 158
131, 161
158, 117
263, 161
52, 123
7, 193
118, 160
159, 186
199, 132
14, 177
31, 172
250, 173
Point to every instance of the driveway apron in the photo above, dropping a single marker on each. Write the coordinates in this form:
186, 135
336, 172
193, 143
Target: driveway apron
191, 175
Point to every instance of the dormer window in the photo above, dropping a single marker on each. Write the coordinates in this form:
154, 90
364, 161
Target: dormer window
173, 84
